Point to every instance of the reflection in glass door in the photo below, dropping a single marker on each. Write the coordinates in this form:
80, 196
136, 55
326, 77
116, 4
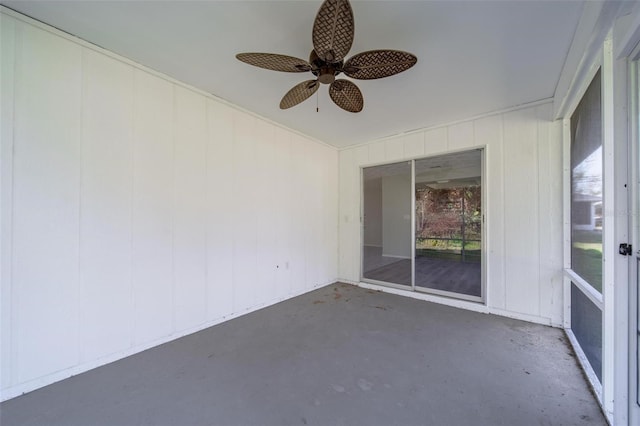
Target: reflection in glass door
386, 221
441, 198
448, 230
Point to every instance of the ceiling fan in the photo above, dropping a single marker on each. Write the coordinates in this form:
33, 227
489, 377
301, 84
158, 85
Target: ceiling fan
332, 38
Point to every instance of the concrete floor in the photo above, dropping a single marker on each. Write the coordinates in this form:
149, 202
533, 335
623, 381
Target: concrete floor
340, 355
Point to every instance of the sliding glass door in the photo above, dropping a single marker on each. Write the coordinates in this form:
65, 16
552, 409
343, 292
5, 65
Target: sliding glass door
386, 221
448, 232
422, 225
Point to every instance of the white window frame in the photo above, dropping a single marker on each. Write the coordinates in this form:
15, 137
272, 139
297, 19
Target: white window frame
612, 268
570, 276
633, 386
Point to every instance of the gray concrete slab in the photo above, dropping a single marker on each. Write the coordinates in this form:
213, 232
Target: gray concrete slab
340, 355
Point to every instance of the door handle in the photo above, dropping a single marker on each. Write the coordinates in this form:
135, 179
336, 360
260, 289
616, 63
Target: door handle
625, 249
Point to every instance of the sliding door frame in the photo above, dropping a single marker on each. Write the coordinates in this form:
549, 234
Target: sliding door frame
483, 244
413, 224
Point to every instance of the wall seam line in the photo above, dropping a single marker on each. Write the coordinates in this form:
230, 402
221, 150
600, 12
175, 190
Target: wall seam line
80, 289
134, 321
504, 215
12, 315
174, 113
205, 209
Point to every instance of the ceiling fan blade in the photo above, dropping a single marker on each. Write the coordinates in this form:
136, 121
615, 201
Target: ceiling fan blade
333, 30
378, 64
299, 93
275, 62
346, 95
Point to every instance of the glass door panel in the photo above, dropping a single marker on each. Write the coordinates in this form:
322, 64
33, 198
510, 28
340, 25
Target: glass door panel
386, 221
587, 224
586, 324
448, 230
586, 187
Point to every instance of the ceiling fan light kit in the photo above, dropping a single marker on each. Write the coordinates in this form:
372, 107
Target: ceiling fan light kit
332, 36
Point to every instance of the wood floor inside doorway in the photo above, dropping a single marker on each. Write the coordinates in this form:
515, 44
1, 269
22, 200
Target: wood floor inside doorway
440, 274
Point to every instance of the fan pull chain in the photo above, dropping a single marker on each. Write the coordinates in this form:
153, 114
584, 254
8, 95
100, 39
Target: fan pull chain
317, 109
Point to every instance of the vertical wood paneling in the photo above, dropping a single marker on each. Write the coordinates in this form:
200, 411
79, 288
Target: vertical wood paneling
7, 85
189, 218
320, 239
219, 210
323, 227
138, 210
152, 207
46, 202
300, 230
461, 136
264, 213
106, 200
329, 178
360, 158
521, 211
555, 245
393, 150
549, 211
348, 264
414, 145
333, 189
313, 202
488, 131
283, 202
377, 152
436, 140
544, 220
244, 206
304, 191
314, 199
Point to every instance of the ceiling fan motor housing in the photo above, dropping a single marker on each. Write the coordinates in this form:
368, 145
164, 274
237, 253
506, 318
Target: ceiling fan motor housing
325, 71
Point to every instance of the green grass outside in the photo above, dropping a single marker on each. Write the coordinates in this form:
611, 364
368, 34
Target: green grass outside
582, 236
587, 262
586, 256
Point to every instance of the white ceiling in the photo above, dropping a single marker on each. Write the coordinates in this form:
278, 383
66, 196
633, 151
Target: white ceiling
473, 56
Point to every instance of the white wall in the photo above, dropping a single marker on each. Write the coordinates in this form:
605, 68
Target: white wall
372, 213
523, 205
396, 216
136, 210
